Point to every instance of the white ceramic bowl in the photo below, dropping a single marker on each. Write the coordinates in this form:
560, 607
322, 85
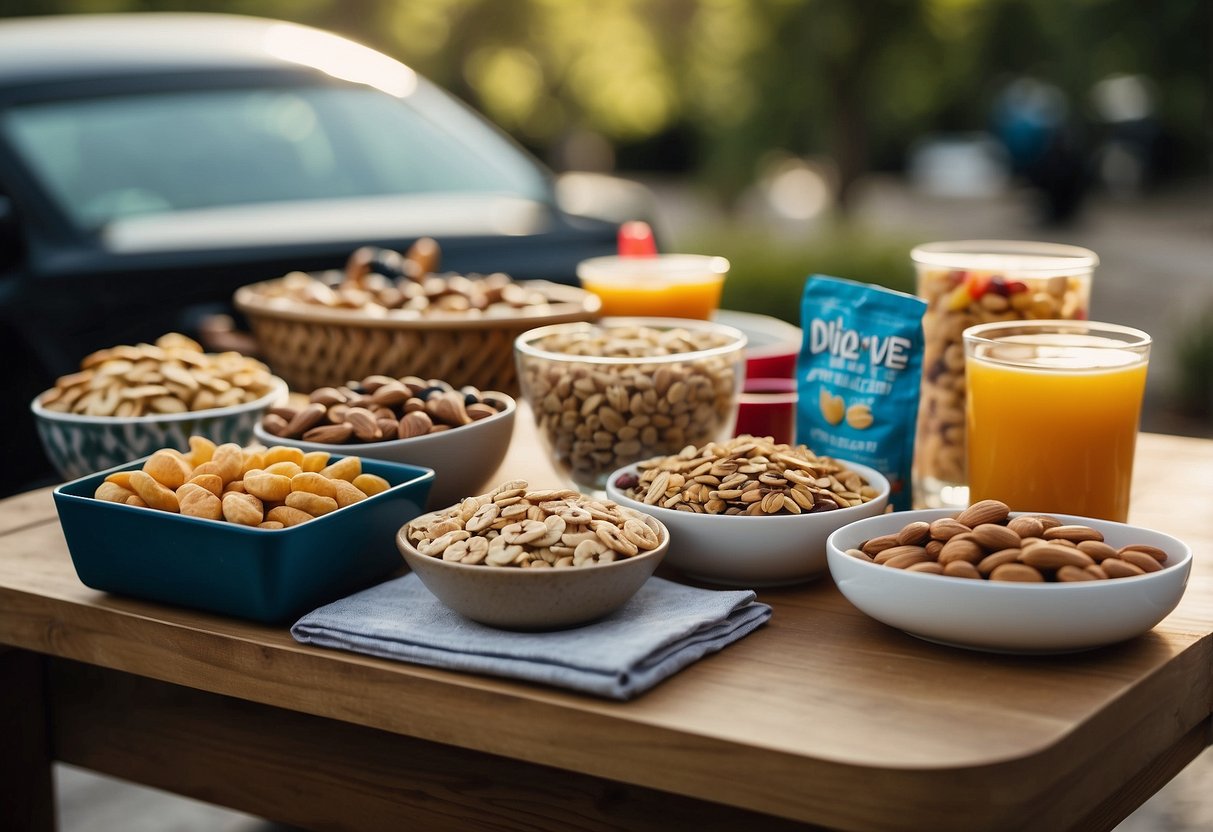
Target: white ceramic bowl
533, 599
79, 445
753, 551
1010, 617
463, 459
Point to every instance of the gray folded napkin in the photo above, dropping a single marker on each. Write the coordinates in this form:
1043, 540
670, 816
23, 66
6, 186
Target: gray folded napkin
662, 629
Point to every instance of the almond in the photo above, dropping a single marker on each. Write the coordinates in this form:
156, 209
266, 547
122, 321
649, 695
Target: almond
1072, 533
1016, 572
901, 561
958, 549
914, 534
1047, 520
897, 551
306, 419
1074, 573
329, 434
364, 424
877, 545
1097, 549
1117, 568
993, 537
1142, 560
961, 569
416, 423
1026, 526
996, 559
927, 566
1049, 556
1153, 551
947, 527
985, 511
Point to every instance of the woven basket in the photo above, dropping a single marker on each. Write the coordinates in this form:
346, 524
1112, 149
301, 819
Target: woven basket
318, 346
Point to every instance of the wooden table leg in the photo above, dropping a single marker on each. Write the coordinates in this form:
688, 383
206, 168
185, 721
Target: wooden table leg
27, 795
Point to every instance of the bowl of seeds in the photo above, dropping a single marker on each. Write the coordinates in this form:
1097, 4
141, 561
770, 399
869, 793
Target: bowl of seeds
749, 511
625, 389
528, 559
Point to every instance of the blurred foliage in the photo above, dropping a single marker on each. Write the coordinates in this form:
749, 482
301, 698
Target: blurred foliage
768, 272
711, 87
1194, 360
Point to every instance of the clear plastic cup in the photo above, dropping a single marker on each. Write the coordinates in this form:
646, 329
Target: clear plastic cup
661, 286
976, 282
1052, 411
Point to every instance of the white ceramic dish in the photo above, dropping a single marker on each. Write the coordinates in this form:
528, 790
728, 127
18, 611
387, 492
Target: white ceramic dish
753, 551
513, 598
463, 459
79, 445
1010, 617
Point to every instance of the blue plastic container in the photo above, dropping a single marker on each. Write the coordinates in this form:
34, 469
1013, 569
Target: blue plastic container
264, 575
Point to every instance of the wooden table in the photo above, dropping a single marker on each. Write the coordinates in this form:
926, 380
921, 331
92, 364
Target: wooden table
823, 716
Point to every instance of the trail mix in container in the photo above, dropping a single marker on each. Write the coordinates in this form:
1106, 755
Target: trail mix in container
747, 475
958, 299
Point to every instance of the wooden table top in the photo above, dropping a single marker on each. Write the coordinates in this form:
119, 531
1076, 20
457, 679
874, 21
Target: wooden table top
823, 715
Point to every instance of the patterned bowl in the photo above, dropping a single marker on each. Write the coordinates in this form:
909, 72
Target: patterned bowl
79, 445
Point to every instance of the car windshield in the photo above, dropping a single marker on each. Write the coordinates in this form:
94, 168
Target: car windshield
103, 159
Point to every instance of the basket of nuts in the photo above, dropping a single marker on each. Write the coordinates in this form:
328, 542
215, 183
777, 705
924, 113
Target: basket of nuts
394, 314
462, 434
127, 401
990, 579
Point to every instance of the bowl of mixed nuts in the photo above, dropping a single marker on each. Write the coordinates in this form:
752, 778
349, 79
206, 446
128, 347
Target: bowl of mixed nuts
749, 511
533, 559
986, 578
462, 434
625, 389
127, 401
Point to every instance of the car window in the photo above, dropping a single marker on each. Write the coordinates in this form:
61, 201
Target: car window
106, 158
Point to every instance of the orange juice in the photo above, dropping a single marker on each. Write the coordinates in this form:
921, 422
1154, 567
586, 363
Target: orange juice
663, 286
1052, 410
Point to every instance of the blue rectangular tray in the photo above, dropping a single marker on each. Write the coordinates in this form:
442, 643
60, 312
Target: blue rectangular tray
264, 575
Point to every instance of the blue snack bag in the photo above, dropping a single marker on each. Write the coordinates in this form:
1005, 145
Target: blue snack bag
858, 375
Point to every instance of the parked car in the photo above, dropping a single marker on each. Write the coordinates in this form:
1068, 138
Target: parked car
150, 164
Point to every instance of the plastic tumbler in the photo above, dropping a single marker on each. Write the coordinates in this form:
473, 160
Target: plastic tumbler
968, 283
1052, 414
662, 285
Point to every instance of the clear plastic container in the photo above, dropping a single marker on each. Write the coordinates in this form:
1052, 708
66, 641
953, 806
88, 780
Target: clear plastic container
975, 282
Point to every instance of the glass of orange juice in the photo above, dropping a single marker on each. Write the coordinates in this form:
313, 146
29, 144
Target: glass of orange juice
661, 285
1052, 410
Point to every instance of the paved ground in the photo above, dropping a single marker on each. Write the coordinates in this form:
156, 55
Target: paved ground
1156, 274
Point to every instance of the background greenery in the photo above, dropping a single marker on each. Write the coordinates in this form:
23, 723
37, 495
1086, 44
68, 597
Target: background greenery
710, 88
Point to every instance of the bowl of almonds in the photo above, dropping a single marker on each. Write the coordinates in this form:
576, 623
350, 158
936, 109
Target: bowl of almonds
749, 511
127, 401
462, 434
986, 578
533, 559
